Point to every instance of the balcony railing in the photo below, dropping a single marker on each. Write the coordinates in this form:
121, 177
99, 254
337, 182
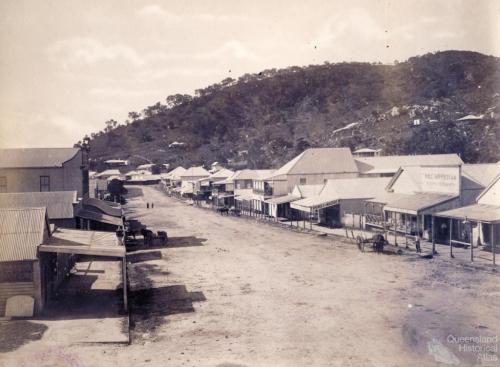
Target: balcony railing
268, 191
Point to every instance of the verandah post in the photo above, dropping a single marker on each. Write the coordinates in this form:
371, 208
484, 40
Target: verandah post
451, 245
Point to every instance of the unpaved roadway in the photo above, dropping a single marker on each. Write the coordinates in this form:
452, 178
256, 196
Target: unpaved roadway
229, 291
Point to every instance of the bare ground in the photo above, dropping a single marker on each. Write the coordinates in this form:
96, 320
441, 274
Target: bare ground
229, 291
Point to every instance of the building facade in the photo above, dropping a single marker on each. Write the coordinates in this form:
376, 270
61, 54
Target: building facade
44, 169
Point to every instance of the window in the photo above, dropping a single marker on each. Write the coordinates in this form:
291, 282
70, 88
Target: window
44, 183
303, 180
3, 184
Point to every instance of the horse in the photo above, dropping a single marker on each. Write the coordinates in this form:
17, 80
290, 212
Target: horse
148, 236
378, 242
223, 210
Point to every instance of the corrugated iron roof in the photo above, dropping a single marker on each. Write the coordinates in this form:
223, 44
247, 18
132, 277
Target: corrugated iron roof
416, 202
98, 216
319, 161
252, 174
103, 206
22, 230
222, 173
479, 175
59, 204
107, 173
195, 172
282, 199
36, 157
343, 189
394, 162
175, 174
98, 243
476, 212
306, 191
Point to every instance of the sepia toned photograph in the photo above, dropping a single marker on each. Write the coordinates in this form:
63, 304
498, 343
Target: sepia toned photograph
275, 183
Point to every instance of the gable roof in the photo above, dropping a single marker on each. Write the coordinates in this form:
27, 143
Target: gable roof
489, 187
391, 163
355, 188
479, 175
36, 157
108, 172
103, 206
319, 161
198, 171
145, 166
471, 117
222, 173
21, 231
305, 191
252, 174
367, 150
59, 204
175, 173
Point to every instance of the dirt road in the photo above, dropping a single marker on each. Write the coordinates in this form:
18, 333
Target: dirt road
229, 291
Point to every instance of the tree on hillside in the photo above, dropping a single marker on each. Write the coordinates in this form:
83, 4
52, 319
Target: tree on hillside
134, 116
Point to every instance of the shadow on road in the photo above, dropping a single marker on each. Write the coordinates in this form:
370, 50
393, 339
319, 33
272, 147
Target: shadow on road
187, 241
136, 257
150, 306
16, 333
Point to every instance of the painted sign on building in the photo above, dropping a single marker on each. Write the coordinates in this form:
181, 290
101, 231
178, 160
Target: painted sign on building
443, 180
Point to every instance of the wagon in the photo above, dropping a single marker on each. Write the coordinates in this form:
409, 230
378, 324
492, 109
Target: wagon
377, 242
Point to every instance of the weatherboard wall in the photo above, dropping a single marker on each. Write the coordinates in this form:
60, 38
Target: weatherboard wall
284, 187
66, 178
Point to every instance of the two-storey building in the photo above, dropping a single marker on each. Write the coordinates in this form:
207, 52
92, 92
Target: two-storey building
44, 169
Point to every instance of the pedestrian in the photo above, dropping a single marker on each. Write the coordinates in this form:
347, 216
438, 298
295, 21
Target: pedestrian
417, 245
152, 205
147, 205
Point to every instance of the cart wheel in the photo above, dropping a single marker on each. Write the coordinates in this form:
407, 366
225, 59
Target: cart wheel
360, 242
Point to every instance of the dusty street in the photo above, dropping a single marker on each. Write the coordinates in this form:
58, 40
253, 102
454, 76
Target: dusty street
229, 291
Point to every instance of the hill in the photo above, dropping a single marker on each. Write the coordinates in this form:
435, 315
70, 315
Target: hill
265, 119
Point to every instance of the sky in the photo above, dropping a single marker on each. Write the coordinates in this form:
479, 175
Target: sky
68, 66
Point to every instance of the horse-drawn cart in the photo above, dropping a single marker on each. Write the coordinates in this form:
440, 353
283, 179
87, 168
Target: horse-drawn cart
377, 242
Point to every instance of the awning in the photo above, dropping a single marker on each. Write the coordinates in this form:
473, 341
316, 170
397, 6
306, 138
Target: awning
245, 197
98, 217
223, 195
186, 190
313, 203
415, 203
477, 213
282, 199
74, 241
103, 206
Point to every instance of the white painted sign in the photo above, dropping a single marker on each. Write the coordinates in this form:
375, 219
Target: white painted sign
20, 306
443, 180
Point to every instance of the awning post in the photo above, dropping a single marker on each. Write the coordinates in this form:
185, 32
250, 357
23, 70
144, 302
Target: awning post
471, 243
493, 242
124, 272
433, 224
451, 245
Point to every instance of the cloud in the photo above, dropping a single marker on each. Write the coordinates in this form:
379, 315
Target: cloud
230, 49
156, 11
146, 75
24, 130
90, 51
352, 24
444, 34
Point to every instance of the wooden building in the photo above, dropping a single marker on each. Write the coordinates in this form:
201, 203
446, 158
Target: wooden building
35, 260
476, 226
44, 169
340, 202
60, 205
312, 167
388, 166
